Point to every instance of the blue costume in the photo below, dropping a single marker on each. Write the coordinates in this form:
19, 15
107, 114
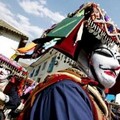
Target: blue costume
62, 101
13, 95
65, 96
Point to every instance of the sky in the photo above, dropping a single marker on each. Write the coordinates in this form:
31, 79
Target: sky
32, 17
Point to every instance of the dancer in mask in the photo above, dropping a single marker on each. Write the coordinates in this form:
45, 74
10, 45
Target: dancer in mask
8, 99
9, 78
77, 93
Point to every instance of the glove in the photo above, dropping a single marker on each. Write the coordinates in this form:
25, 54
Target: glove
3, 97
20, 107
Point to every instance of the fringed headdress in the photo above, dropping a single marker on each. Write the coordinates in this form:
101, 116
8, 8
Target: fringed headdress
15, 68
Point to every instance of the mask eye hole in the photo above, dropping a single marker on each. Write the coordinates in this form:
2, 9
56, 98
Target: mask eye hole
1, 66
104, 52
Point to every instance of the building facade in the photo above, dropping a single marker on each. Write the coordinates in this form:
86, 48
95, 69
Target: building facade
10, 39
49, 63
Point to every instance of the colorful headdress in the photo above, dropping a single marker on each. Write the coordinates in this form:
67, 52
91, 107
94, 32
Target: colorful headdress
15, 68
101, 26
65, 35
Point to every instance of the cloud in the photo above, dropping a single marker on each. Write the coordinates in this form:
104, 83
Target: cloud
23, 23
39, 8
5, 14
26, 26
43, 2
19, 21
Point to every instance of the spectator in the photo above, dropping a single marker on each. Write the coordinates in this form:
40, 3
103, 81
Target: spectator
9, 98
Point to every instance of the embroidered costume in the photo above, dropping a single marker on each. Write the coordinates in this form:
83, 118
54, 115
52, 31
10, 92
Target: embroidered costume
93, 42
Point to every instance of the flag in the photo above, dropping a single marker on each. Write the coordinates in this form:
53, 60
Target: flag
64, 28
28, 48
80, 32
13, 57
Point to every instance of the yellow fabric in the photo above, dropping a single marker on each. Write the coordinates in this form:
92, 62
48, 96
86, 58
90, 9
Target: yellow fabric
14, 56
99, 103
27, 47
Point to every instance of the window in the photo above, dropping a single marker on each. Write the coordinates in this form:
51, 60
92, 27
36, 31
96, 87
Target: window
37, 71
31, 75
44, 65
51, 65
38, 80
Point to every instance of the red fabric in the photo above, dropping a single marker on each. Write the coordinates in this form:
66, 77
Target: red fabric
20, 117
8, 87
116, 88
67, 45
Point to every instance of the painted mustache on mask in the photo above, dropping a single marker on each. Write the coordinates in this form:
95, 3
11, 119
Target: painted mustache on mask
101, 67
110, 71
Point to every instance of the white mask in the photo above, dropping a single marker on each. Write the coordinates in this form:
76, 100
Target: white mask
4, 73
106, 65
